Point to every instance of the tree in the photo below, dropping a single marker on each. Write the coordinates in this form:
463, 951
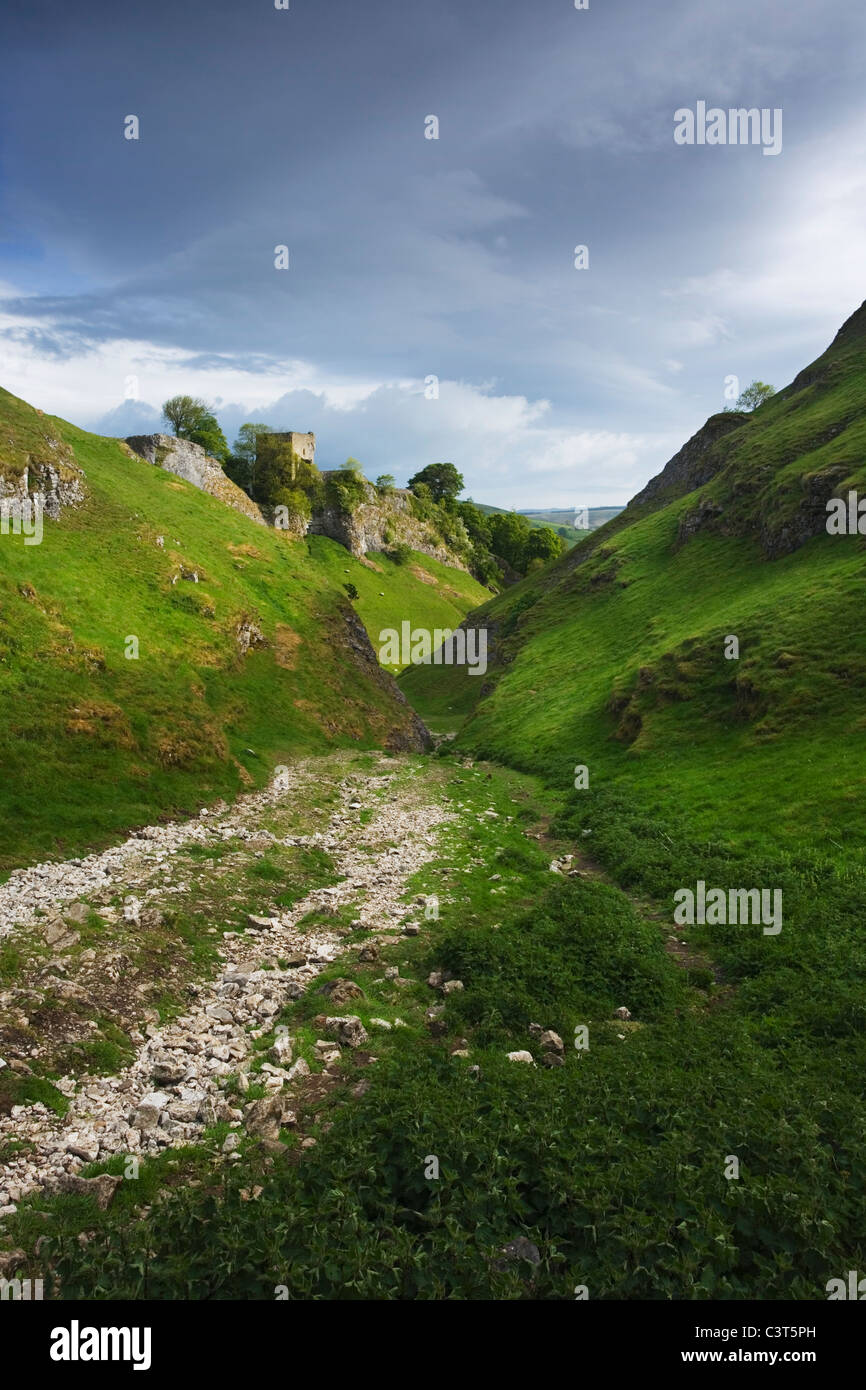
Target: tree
185, 413
509, 538
354, 466
208, 434
443, 480
385, 482
241, 466
278, 467
296, 508
543, 545
754, 395
476, 523
245, 444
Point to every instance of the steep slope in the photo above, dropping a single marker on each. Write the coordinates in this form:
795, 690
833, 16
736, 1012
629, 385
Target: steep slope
159, 649
615, 656
693, 678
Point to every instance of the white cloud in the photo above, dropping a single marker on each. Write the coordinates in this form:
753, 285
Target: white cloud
513, 451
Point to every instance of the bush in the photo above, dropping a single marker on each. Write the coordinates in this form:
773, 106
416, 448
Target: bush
296, 506
346, 490
278, 468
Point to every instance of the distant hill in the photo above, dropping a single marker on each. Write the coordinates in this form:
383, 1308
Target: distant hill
561, 519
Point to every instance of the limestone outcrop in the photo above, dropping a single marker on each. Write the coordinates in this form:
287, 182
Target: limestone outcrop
190, 462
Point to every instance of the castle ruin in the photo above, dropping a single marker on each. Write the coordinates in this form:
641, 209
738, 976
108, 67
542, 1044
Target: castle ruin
304, 445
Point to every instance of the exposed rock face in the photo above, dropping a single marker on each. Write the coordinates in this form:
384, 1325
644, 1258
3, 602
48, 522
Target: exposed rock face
54, 483
189, 461
781, 527
739, 504
377, 523
410, 736
780, 535
248, 634
374, 525
699, 460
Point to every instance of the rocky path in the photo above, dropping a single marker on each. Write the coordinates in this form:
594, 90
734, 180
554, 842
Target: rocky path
174, 1088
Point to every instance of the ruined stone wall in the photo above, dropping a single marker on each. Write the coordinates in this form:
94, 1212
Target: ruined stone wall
304, 445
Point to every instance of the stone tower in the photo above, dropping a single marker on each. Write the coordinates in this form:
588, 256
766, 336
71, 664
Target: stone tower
304, 445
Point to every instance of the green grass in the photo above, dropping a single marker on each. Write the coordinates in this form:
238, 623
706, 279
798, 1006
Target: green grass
613, 1165
93, 743
614, 657
392, 593
741, 773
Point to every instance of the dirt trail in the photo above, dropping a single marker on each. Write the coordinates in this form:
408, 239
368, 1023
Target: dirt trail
173, 1089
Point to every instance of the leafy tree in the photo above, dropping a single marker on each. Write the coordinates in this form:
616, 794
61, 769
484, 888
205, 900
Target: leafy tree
476, 523
443, 480
185, 413
297, 504
279, 467
346, 489
241, 466
208, 434
423, 506
509, 538
193, 419
754, 395
543, 545
245, 444
354, 466
385, 482
486, 570
240, 473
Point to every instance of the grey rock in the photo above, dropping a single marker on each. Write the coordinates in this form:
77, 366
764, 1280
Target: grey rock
103, 1187
349, 1030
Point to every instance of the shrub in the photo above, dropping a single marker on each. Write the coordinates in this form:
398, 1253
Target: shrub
346, 490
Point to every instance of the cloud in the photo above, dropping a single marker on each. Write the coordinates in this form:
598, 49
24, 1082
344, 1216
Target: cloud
509, 449
155, 260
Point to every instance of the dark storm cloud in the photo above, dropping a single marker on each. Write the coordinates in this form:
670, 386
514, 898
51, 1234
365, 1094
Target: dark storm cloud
410, 256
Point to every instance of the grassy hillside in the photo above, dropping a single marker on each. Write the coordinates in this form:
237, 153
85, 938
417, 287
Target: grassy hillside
614, 1163
93, 742
741, 772
615, 657
423, 591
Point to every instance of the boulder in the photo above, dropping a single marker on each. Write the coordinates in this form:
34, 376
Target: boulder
103, 1187
348, 1030
281, 1052
264, 1118
148, 1110
340, 991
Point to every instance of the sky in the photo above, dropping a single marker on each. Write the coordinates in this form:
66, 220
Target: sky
431, 309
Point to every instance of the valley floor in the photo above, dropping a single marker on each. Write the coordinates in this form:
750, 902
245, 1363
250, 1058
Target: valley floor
261, 966
268, 1049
